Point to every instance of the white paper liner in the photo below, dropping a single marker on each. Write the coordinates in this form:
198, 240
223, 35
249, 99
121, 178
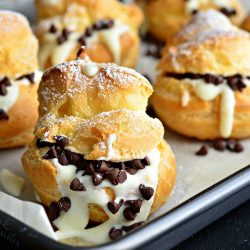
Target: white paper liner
194, 173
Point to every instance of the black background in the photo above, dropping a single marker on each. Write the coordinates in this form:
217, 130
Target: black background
231, 232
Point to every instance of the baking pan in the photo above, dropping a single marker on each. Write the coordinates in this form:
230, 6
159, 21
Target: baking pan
174, 226
206, 188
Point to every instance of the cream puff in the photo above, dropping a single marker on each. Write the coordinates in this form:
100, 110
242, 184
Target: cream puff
109, 33
203, 86
166, 17
98, 161
19, 77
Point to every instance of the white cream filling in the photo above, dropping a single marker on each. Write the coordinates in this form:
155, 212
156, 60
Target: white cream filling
73, 222
90, 69
110, 150
60, 52
185, 98
8, 100
208, 92
192, 5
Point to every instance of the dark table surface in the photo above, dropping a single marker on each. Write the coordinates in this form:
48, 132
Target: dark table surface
231, 232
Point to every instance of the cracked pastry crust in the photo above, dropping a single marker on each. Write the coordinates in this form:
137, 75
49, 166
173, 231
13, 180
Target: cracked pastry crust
89, 130
166, 17
18, 57
217, 48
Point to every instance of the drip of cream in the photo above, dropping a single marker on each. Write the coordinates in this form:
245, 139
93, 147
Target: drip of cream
208, 92
8, 100
90, 69
73, 223
60, 53
111, 38
110, 150
192, 5
185, 98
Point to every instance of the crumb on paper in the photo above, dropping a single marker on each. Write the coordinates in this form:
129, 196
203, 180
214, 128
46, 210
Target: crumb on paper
12, 183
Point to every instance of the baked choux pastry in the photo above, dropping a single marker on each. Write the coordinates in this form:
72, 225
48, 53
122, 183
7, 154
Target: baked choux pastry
166, 17
246, 24
108, 29
203, 86
19, 80
101, 165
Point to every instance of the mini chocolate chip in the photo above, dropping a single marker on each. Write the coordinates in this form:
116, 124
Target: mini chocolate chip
122, 176
43, 144
51, 153
115, 233
194, 12
64, 204
61, 40
238, 148
119, 165
97, 25
30, 77
65, 32
90, 169
82, 41
137, 164
219, 145
55, 228
135, 205
52, 28
76, 185
146, 192
101, 167
62, 159
53, 211
61, 140
3, 115
3, 90
233, 83
64, 36
132, 227
228, 11
129, 214
231, 144
202, 151
145, 161
97, 178
218, 80
131, 171
72, 157
107, 23
112, 175
114, 207
88, 32
209, 78
5, 81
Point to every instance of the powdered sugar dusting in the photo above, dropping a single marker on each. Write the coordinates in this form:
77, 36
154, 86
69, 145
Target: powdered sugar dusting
109, 77
204, 27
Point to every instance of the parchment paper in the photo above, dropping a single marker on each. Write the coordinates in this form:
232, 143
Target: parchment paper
194, 173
